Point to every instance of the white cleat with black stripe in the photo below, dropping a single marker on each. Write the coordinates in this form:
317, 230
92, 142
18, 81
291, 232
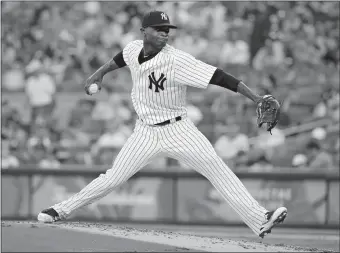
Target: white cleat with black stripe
48, 215
272, 219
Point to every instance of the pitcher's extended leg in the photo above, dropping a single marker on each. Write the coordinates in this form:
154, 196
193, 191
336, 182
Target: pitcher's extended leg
140, 148
187, 144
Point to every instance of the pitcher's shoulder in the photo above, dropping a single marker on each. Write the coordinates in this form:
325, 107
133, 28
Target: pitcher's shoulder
134, 43
137, 42
175, 52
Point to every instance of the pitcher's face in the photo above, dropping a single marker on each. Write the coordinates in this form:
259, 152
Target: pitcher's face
157, 36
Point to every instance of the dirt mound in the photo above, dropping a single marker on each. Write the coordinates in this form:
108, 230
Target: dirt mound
108, 237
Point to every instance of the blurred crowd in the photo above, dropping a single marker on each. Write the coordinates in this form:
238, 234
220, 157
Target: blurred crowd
288, 49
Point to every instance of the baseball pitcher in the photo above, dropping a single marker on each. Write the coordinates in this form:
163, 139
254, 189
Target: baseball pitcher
160, 75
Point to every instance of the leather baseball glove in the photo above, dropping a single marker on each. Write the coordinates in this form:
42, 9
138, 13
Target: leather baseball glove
268, 111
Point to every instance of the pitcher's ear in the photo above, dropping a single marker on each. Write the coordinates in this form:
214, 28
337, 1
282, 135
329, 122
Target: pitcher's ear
142, 29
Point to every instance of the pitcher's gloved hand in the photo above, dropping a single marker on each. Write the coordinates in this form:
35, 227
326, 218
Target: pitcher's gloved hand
268, 111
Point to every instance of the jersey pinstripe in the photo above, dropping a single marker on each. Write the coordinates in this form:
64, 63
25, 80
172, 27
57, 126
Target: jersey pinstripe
157, 104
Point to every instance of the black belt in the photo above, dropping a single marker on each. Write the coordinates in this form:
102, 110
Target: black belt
169, 121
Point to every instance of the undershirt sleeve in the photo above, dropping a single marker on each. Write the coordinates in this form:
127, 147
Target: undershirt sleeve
224, 80
119, 60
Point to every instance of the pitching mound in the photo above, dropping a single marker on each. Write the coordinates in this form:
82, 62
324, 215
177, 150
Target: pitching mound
36, 237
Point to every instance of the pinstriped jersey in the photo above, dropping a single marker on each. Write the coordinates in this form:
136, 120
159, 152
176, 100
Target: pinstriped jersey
160, 83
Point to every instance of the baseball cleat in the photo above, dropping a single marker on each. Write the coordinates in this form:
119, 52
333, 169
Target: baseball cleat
272, 219
48, 215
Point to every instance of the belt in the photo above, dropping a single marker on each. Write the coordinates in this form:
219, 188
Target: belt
169, 121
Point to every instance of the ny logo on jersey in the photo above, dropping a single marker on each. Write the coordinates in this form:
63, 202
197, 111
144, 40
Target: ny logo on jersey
158, 83
163, 15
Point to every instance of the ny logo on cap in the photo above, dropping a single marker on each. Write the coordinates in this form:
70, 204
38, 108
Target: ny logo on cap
163, 15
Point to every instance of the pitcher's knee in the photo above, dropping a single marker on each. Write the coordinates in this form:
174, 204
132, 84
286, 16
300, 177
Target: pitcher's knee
211, 160
114, 177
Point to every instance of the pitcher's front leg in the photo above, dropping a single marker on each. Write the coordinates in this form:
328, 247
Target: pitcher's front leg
139, 150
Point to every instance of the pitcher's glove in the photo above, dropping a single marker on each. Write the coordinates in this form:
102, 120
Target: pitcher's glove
268, 111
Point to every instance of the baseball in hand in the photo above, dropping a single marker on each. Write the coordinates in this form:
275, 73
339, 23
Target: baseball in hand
93, 88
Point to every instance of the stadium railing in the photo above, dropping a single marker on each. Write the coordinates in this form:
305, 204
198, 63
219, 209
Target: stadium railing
31, 171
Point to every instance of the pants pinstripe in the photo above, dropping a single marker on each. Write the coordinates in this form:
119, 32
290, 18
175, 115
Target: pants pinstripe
182, 141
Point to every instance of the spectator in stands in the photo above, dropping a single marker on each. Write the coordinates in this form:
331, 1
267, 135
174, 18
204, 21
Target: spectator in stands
318, 158
7, 159
319, 134
262, 164
232, 138
258, 13
234, 50
92, 7
269, 56
67, 139
112, 33
320, 109
15, 130
221, 107
266, 141
84, 156
115, 134
38, 146
82, 109
105, 156
40, 90
199, 43
331, 54
111, 108
49, 161
5, 109
328, 106
40, 135
14, 79
18, 135
103, 111
82, 125
67, 156
243, 160
37, 151
267, 84
300, 162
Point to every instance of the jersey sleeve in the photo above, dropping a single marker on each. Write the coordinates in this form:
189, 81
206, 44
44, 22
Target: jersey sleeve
191, 71
129, 49
126, 53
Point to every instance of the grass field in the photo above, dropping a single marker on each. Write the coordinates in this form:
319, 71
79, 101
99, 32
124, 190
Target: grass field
31, 236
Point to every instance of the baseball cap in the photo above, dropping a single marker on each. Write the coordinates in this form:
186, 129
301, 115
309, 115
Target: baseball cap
157, 18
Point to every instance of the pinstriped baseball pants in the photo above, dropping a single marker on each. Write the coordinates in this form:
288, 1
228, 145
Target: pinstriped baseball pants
182, 141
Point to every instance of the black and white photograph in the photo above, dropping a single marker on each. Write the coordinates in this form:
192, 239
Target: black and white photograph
170, 126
